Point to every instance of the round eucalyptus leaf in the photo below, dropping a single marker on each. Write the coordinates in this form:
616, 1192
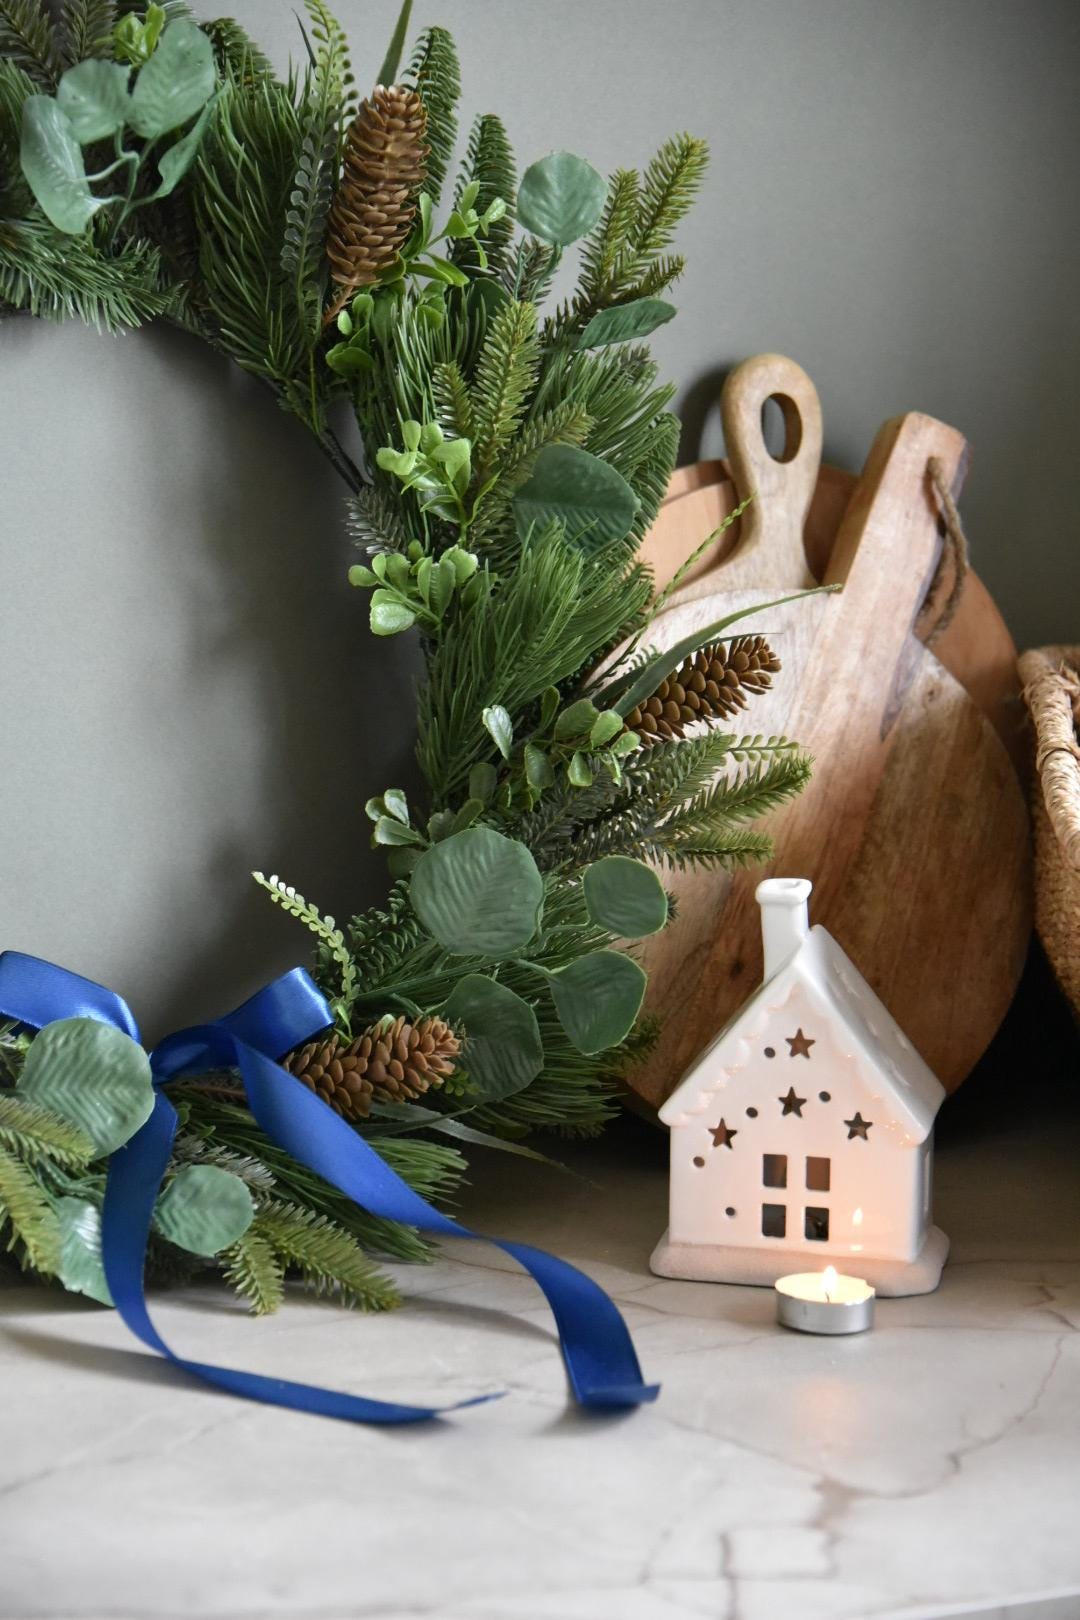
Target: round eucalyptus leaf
598, 998
94, 95
175, 83
503, 1050
622, 323
560, 198
52, 162
204, 1209
478, 893
80, 1269
625, 897
93, 1075
588, 496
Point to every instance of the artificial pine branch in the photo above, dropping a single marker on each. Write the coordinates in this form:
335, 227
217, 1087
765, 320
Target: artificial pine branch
436, 75
85, 29
252, 1268
25, 1209
236, 54
329, 1259
34, 1133
505, 376
489, 160
59, 277
26, 38
373, 518
453, 403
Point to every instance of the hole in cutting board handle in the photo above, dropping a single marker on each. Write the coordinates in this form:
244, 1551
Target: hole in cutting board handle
780, 418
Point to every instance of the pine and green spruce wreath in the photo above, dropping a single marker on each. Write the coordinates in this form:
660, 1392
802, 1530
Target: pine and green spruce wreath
153, 166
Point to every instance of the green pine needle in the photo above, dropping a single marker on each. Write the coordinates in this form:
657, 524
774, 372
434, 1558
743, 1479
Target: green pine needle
329, 1259
252, 1268
34, 1133
436, 74
27, 1213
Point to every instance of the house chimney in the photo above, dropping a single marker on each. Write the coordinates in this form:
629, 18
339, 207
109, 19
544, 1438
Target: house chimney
784, 923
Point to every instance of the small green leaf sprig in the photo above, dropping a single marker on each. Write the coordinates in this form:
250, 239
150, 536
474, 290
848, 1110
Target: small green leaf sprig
576, 742
412, 587
94, 102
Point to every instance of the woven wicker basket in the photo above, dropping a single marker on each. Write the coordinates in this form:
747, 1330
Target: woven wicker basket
1051, 680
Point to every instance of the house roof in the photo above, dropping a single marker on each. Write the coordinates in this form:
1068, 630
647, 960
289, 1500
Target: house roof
820, 971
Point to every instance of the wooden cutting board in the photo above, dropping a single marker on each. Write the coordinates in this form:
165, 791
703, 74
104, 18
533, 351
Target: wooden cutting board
975, 647
913, 830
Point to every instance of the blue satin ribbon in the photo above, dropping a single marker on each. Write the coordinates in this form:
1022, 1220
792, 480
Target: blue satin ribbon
597, 1349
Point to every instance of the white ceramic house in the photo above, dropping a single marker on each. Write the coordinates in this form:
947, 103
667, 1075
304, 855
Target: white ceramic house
802, 1136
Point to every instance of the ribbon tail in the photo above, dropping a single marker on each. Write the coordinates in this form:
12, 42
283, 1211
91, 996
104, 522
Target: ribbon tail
134, 1180
597, 1349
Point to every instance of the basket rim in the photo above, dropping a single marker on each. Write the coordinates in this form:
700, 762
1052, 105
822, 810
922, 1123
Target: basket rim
1050, 681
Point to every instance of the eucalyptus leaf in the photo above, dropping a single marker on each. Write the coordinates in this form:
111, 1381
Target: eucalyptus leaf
538, 770
92, 1075
560, 198
81, 1270
175, 83
625, 896
656, 669
204, 1209
503, 1050
587, 495
622, 323
597, 998
175, 163
500, 727
52, 162
397, 805
478, 893
94, 96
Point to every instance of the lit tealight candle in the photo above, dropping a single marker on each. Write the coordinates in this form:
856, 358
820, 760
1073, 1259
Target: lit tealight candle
824, 1302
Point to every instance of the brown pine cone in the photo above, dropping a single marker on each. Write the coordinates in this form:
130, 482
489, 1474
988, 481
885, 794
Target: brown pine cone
394, 1062
375, 203
712, 685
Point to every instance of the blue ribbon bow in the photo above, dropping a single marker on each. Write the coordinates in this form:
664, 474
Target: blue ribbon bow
596, 1345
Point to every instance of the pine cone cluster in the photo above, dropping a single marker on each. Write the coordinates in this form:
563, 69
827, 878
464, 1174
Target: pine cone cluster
375, 203
395, 1063
712, 685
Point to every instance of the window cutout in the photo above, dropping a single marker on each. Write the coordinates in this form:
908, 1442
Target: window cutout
817, 1175
770, 1051
817, 1225
774, 1220
751, 1113
825, 1096
699, 1162
730, 1210
774, 1169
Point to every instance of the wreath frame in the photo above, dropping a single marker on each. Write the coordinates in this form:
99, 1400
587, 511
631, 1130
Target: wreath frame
157, 168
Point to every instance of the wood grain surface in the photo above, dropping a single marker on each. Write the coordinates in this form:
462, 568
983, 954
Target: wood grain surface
914, 828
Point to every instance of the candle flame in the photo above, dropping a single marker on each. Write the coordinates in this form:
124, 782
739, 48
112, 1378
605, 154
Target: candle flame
857, 1218
829, 1282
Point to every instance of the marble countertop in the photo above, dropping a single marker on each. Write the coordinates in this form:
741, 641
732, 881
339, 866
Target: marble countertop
928, 1468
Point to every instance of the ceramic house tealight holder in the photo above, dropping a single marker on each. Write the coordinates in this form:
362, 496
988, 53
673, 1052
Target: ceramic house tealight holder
803, 1135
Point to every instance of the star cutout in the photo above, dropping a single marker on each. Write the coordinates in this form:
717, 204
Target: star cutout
800, 1044
722, 1135
858, 1127
792, 1104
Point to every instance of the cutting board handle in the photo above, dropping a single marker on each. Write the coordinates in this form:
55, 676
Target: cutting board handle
784, 485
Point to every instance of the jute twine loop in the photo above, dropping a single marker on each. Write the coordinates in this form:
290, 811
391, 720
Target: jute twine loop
954, 553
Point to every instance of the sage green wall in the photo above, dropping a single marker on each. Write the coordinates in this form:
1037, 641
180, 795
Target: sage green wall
188, 690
